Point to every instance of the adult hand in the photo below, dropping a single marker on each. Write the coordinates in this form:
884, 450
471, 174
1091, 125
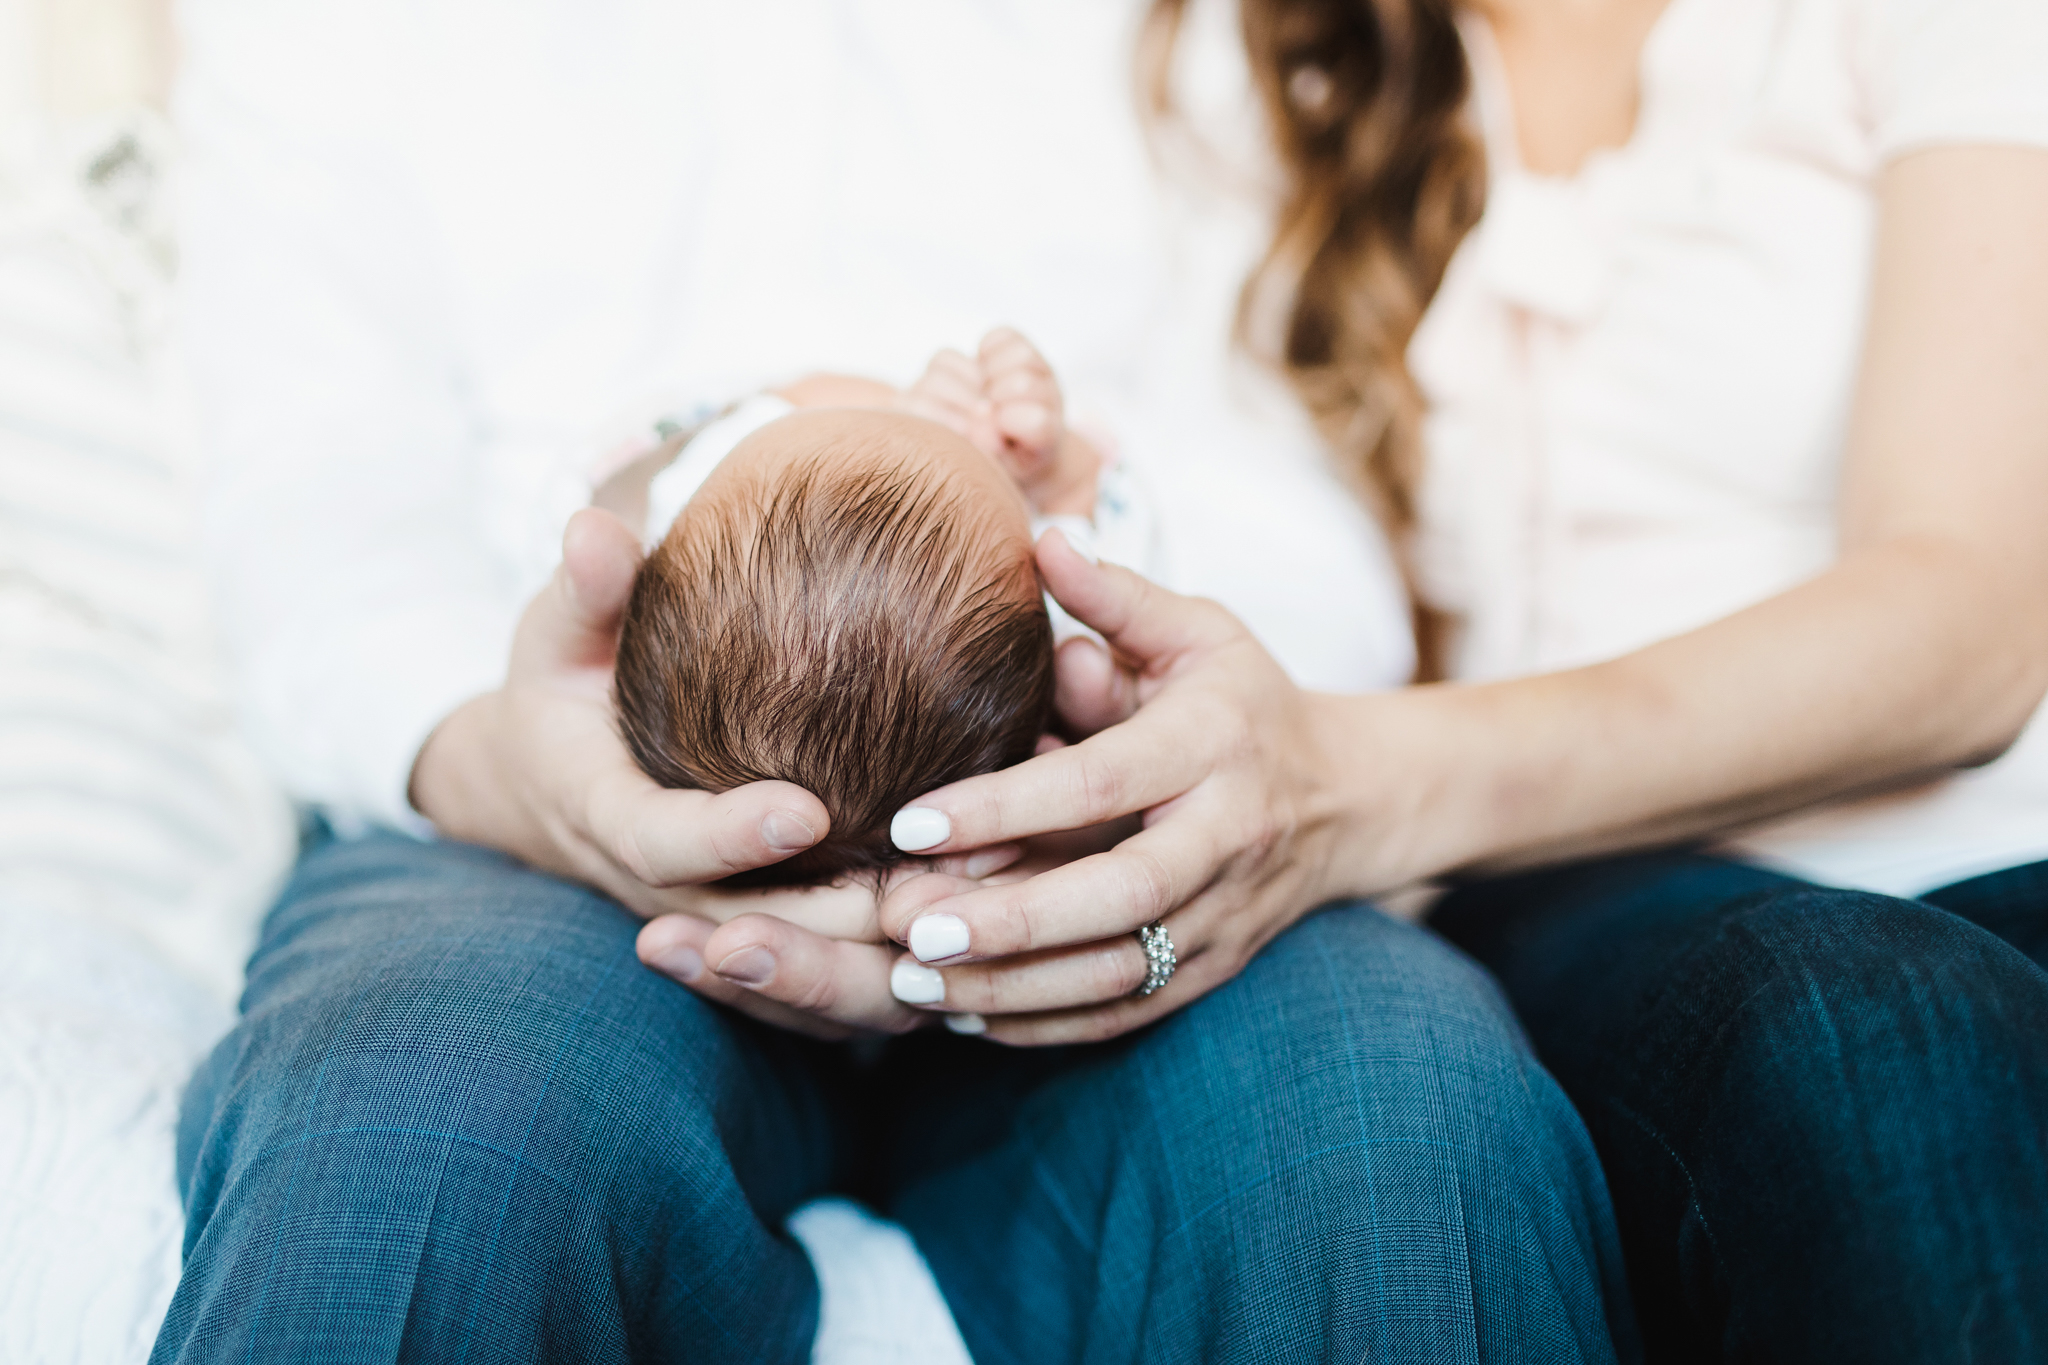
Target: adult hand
1227, 763
537, 769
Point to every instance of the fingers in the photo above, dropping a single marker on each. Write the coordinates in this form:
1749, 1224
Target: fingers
668, 837
674, 945
575, 623
1128, 768
1090, 693
1140, 619
955, 382
845, 984
848, 909
1062, 978
950, 393
1121, 771
1005, 354
1031, 429
1142, 879
1028, 411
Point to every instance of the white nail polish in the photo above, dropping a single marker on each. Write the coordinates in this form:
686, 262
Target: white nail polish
967, 1023
938, 936
917, 828
916, 984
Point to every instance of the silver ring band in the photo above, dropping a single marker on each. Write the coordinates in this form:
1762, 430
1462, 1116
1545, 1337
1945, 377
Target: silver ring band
1159, 957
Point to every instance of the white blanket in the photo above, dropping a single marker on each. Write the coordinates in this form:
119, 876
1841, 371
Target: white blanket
139, 842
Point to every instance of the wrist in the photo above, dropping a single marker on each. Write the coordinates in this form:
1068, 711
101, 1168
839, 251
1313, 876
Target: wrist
1402, 769
450, 784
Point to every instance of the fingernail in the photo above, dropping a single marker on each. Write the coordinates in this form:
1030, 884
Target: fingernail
916, 984
1080, 539
987, 862
938, 936
917, 828
749, 967
967, 1023
785, 833
684, 964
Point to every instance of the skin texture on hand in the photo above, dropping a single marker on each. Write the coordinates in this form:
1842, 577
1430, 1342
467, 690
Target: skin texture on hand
1207, 805
1923, 648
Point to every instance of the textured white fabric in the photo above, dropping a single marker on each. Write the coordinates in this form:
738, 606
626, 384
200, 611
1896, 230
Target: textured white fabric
1640, 374
139, 840
432, 245
878, 1303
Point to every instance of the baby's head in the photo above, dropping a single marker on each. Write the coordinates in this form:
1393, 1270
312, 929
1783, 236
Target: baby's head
849, 604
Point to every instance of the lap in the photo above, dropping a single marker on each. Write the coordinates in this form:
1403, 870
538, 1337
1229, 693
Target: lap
459, 1116
1818, 1109
1348, 1152
453, 1077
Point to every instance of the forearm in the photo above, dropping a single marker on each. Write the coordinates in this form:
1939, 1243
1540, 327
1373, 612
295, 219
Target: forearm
1904, 661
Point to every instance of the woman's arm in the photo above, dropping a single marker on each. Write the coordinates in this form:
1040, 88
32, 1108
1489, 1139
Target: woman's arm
1925, 648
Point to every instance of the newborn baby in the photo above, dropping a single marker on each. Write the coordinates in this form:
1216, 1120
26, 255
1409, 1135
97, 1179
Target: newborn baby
848, 602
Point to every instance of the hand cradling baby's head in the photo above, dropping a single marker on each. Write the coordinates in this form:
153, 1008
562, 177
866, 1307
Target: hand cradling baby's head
848, 604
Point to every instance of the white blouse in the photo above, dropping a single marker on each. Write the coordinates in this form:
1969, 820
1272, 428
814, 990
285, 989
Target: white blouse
433, 246
1640, 375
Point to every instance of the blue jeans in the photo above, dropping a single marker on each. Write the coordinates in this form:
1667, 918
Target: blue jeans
1823, 1114
459, 1121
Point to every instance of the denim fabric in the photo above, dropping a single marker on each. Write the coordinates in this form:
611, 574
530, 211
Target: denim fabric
1823, 1114
459, 1122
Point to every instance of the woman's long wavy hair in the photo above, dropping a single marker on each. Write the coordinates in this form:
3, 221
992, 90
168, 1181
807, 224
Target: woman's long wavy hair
1366, 101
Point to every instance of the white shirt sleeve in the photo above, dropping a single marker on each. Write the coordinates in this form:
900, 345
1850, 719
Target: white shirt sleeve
359, 602
1955, 71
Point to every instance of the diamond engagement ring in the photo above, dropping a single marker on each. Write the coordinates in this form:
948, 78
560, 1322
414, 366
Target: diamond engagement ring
1158, 946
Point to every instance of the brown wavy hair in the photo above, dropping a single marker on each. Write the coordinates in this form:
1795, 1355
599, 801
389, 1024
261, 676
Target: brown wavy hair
1384, 177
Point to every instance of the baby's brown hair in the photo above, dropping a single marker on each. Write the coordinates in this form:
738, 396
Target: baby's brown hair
852, 627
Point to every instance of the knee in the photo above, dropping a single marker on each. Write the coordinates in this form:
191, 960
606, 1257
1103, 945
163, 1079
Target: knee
1358, 1029
497, 1015
1811, 1003
1350, 980
1363, 1085
1811, 961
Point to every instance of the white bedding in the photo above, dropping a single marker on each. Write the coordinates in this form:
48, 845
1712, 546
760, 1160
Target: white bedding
139, 842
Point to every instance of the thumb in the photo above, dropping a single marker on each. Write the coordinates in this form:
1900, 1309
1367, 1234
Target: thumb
573, 623
1090, 692
1144, 623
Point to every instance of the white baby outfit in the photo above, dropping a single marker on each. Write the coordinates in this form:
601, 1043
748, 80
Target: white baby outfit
432, 245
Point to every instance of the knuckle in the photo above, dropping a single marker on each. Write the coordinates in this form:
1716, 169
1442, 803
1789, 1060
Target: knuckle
624, 845
1100, 787
1015, 926
1265, 837
1151, 884
728, 854
993, 993
818, 995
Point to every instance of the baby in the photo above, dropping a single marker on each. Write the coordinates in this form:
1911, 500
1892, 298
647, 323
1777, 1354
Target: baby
848, 601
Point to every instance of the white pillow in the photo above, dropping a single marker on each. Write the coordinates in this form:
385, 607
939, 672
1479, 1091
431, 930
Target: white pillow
139, 842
